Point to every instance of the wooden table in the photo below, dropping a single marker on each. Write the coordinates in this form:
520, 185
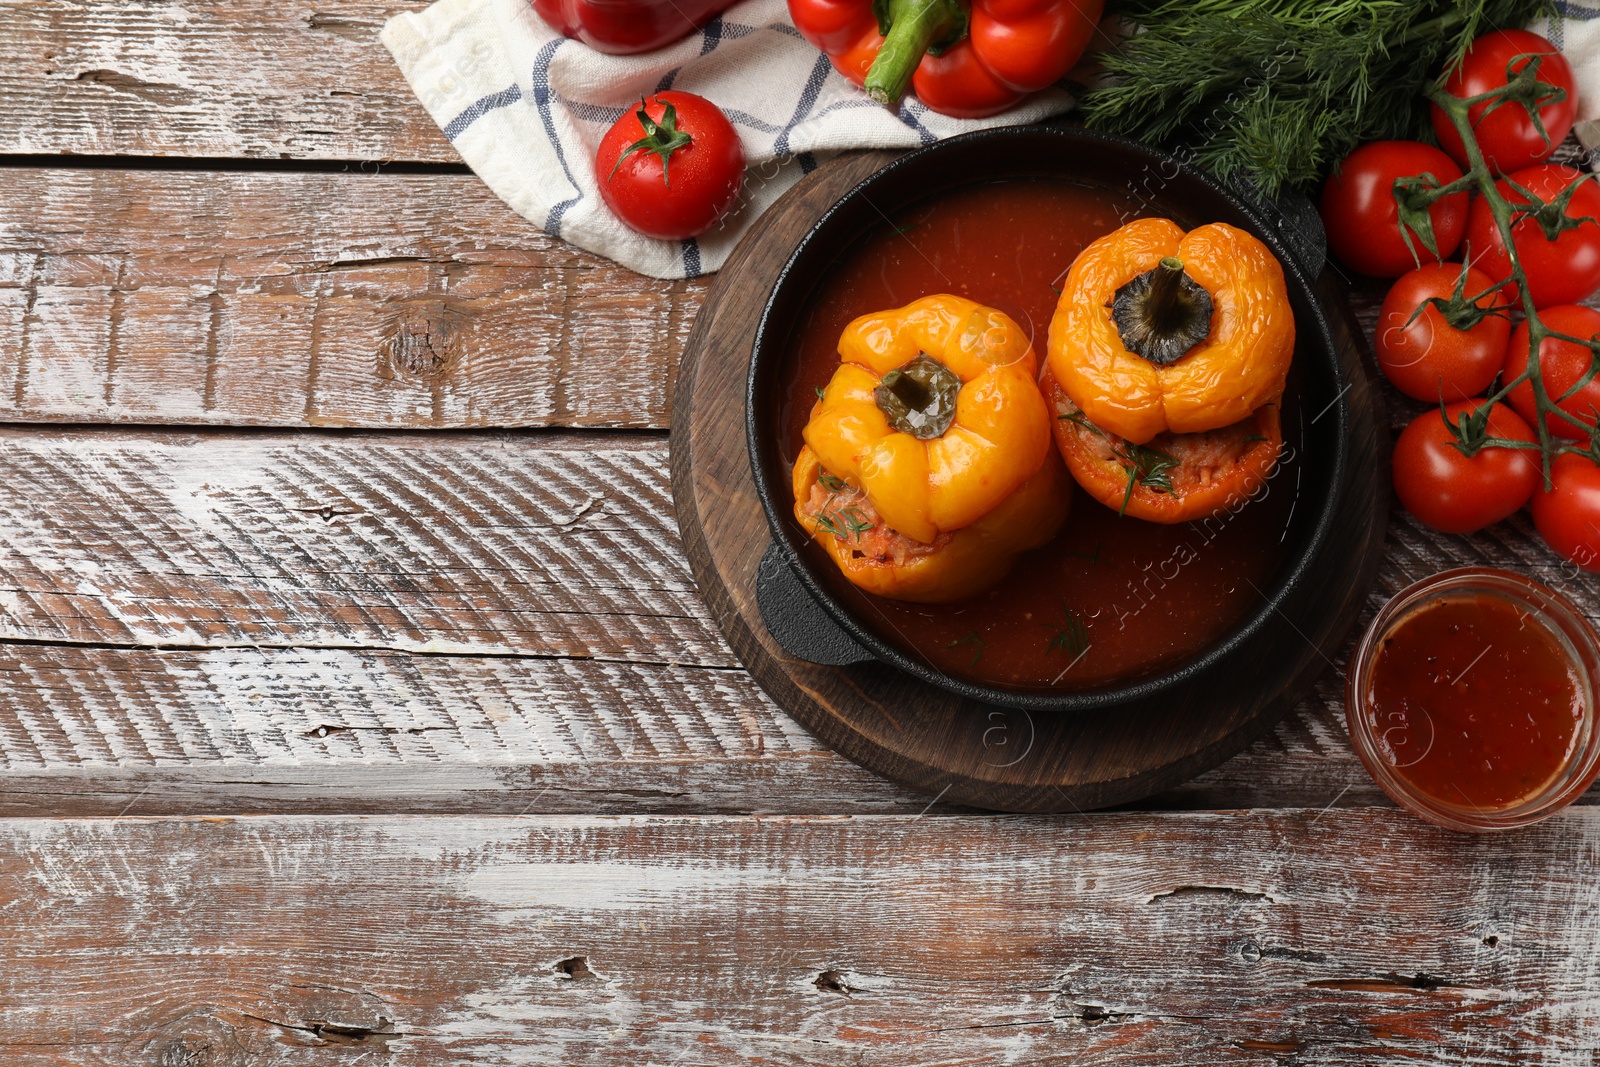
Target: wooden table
357, 706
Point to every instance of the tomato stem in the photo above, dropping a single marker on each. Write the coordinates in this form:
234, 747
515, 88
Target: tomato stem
663, 138
1506, 215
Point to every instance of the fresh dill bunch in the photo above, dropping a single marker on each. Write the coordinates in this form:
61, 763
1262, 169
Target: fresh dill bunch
1278, 91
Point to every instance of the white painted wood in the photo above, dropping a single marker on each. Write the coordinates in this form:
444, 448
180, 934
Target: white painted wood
285, 299
491, 622
1335, 938
293, 78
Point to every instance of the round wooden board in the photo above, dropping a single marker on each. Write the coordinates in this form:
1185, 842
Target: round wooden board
955, 749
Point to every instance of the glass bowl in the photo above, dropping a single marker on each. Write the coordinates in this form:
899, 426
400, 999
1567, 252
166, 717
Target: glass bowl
1574, 637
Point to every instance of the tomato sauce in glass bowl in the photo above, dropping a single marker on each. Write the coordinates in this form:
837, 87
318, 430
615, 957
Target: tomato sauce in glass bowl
1471, 700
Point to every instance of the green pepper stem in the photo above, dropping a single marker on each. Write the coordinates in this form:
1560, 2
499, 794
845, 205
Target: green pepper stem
1162, 305
911, 392
914, 27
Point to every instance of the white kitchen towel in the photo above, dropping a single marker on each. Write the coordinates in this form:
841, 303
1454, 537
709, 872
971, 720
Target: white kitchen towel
526, 108
1576, 31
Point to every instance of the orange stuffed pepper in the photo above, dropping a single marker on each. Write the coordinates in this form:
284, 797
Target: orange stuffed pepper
927, 464
1168, 354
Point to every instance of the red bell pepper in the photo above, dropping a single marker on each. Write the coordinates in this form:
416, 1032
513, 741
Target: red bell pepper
623, 27
963, 59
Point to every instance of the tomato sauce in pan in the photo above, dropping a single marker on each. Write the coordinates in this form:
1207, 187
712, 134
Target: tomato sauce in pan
1110, 598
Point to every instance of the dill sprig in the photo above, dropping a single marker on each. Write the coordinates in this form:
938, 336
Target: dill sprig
974, 640
1278, 91
1071, 637
847, 524
1146, 466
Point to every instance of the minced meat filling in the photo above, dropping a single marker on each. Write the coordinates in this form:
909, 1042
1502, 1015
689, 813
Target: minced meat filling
848, 514
1198, 458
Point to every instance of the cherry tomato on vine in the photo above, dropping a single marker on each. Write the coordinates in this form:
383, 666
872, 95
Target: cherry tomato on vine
1431, 359
671, 167
1561, 365
1561, 271
1361, 216
1507, 136
1459, 494
1567, 514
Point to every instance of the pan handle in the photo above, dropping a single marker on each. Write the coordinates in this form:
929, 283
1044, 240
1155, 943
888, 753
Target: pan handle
796, 621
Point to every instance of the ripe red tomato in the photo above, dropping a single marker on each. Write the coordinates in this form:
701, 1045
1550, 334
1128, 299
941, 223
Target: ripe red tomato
1451, 492
671, 167
1362, 219
1430, 359
1568, 513
1561, 364
1563, 271
1507, 135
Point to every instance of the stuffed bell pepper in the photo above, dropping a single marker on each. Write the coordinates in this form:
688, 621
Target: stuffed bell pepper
966, 58
927, 464
1168, 354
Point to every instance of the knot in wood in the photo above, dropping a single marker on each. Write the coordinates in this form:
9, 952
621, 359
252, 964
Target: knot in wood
199, 1041
420, 344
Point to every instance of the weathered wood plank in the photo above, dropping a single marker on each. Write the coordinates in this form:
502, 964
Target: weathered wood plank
543, 545
292, 299
480, 622
1126, 939
293, 78
115, 731
95, 731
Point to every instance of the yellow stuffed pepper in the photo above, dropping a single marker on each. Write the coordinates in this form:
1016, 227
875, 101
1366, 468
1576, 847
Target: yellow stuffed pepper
1168, 356
1158, 330
925, 466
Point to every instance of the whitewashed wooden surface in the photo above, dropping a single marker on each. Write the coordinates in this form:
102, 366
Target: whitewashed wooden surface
1196, 939
331, 487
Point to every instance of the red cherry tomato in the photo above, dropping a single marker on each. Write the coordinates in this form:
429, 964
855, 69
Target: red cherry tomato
1561, 364
1362, 219
1507, 135
676, 178
1430, 359
1451, 492
1563, 271
1568, 513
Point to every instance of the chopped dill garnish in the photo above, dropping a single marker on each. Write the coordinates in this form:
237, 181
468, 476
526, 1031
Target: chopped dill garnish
1072, 637
1092, 557
855, 521
831, 482
1150, 466
847, 524
827, 522
1146, 466
971, 639
821, 393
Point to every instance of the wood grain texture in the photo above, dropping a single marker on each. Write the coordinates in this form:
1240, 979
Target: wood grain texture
93, 731
1249, 938
306, 79
481, 622
287, 299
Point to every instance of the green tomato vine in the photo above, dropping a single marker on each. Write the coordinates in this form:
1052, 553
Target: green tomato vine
1415, 195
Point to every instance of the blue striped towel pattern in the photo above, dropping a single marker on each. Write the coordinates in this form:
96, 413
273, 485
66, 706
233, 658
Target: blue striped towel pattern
526, 108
